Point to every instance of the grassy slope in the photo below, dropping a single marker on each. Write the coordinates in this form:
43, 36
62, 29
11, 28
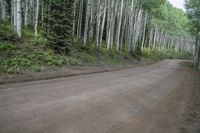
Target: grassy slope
151, 56
32, 54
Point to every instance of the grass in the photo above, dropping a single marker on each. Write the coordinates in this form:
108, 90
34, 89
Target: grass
30, 54
23, 58
152, 56
190, 65
93, 55
18, 58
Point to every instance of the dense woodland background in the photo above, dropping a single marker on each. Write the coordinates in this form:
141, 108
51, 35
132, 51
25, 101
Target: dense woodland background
59, 32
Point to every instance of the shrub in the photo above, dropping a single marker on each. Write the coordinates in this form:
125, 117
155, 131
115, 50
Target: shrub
7, 34
16, 64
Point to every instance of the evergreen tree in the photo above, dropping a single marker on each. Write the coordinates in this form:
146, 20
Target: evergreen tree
58, 23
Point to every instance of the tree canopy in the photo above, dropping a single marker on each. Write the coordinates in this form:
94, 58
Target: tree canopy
193, 11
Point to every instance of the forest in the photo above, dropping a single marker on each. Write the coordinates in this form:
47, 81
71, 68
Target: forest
99, 66
38, 33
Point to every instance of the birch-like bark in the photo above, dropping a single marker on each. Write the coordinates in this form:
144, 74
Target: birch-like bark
26, 12
119, 25
144, 31
115, 8
91, 23
98, 22
154, 39
79, 25
74, 21
87, 21
150, 38
3, 10
130, 28
17, 16
110, 24
36, 17
124, 31
103, 24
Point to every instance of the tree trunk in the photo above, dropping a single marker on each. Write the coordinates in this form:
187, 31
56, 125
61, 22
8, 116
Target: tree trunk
3, 10
198, 59
80, 15
17, 16
87, 21
144, 31
36, 17
118, 32
74, 21
26, 12
98, 22
103, 24
197, 51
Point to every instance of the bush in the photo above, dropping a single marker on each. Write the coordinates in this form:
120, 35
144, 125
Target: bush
7, 47
21, 58
73, 62
16, 64
84, 57
7, 34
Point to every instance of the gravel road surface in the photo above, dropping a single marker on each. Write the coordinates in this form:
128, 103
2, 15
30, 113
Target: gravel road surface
150, 99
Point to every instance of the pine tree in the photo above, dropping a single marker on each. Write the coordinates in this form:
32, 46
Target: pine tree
58, 21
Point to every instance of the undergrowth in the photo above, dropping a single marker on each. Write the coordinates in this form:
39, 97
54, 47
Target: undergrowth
18, 58
30, 53
151, 56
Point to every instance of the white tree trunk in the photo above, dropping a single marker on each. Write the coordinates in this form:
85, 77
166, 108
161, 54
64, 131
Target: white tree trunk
144, 31
74, 21
98, 22
103, 24
36, 17
114, 13
150, 39
130, 28
17, 16
119, 25
87, 22
80, 13
91, 23
3, 10
26, 12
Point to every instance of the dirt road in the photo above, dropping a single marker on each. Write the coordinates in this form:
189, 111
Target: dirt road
150, 99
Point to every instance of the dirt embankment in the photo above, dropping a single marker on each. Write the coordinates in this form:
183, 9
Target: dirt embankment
66, 72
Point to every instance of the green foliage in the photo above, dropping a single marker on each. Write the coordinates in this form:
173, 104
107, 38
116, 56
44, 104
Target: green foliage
16, 64
193, 11
138, 51
7, 47
73, 62
40, 40
59, 24
171, 20
189, 64
92, 55
17, 58
152, 4
46, 57
164, 54
28, 33
7, 34
84, 57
